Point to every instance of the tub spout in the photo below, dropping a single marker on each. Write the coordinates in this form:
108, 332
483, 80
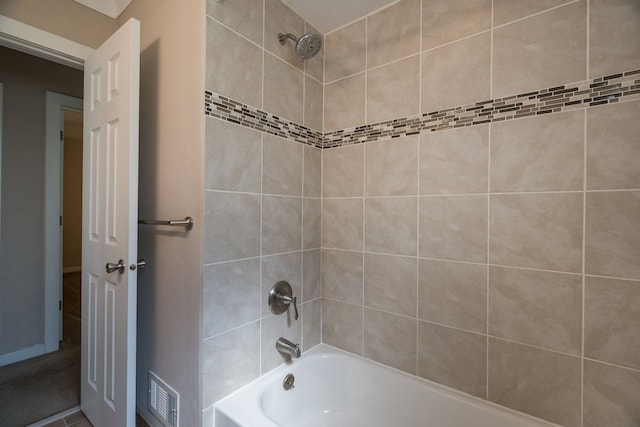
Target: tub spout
283, 345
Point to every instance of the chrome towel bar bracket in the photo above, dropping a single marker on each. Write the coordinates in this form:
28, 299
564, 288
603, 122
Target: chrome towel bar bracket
187, 223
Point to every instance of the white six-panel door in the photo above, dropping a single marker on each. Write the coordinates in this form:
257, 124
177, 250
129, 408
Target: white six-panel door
109, 229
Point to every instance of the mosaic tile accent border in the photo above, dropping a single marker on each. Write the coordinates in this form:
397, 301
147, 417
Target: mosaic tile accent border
584, 94
224, 108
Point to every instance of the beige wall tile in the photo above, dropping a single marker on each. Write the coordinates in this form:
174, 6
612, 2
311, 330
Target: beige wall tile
610, 395
390, 283
342, 223
281, 166
346, 50
454, 161
612, 245
312, 186
393, 90
613, 146
390, 339
239, 76
541, 51
444, 21
233, 157
311, 324
542, 383
311, 220
279, 18
344, 103
232, 226
391, 167
315, 66
311, 275
508, 10
457, 74
283, 89
342, 171
391, 225
244, 16
272, 328
342, 276
536, 307
239, 283
454, 358
537, 231
454, 227
281, 224
230, 361
544, 153
342, 325
453, 294
287, 267
313, 103
613, 36
393, 33
612, 321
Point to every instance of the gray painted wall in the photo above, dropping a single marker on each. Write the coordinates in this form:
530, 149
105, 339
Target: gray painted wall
26, 80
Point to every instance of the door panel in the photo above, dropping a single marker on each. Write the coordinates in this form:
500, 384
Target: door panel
110, 212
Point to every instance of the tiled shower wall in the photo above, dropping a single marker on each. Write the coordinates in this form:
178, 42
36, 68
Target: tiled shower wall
262, 197
501, 259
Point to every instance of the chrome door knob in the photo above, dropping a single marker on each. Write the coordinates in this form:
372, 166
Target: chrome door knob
119, 267
139, 266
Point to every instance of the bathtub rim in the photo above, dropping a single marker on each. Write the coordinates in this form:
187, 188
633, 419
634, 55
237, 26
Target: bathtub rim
326, 350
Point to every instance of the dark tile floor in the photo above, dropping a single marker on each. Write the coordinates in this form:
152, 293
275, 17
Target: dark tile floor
71, 288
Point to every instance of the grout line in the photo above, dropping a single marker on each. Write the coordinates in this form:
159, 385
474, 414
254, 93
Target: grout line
488, 259
449, 43
514, 193
364, 234
235, 328
538, 13
491, 54
584, 245
375, 67
417, 293
613, 365
366, 68
321, 278
301, 297
611, 277
564, 353
588, 68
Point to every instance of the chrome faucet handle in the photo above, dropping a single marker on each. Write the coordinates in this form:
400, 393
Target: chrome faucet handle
288, 300
281, 297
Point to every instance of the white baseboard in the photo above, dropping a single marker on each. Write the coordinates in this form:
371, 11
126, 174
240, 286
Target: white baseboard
71, 270
24, 354
56, 417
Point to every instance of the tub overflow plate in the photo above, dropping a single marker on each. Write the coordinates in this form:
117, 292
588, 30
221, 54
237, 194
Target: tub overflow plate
287, 384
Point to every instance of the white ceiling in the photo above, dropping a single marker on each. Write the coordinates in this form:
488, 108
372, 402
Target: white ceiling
112, 8
325, 15
328, 15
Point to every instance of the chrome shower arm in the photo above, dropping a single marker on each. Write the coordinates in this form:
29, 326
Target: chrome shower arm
282, 38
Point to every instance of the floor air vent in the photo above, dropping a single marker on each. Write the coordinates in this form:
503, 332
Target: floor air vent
163, 401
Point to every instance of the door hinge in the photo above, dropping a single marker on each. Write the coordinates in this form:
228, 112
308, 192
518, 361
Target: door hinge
60, 220
61, 135
59, 305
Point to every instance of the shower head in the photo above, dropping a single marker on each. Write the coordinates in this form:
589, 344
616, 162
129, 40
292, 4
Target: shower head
307, 46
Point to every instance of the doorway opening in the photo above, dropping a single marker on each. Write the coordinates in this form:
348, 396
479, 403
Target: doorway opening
71, 229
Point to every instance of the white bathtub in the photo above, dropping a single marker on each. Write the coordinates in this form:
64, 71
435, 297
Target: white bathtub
338, 389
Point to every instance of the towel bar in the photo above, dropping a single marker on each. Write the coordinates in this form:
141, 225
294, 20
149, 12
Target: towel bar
187, 223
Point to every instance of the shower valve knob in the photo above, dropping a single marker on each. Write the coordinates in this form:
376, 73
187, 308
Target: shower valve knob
281, 298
